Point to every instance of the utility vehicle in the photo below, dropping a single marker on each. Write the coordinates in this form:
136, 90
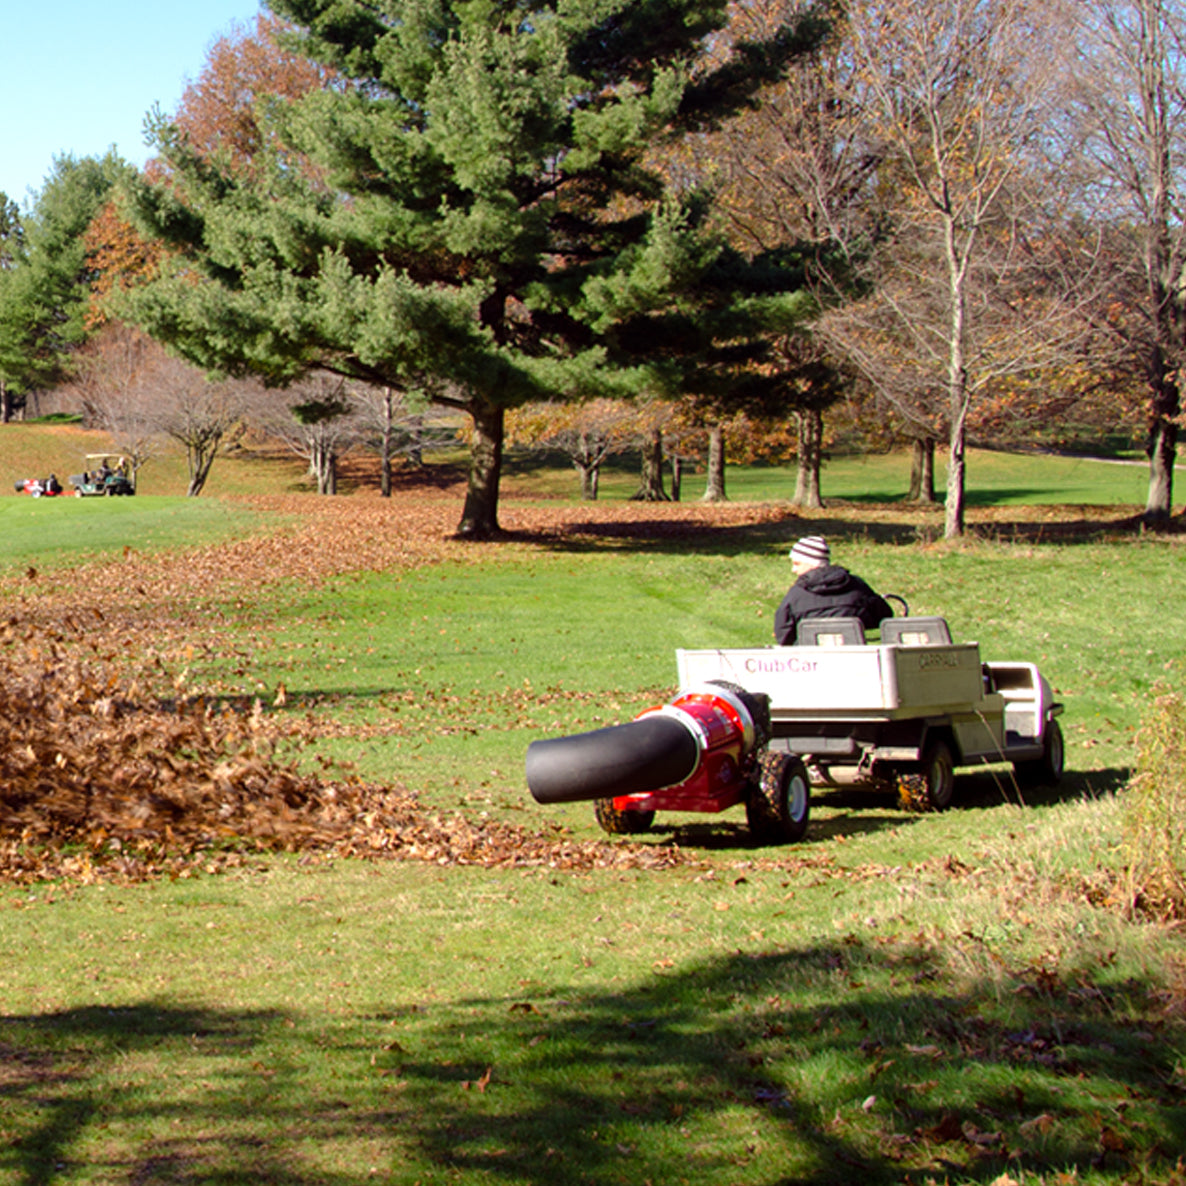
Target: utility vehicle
759, 726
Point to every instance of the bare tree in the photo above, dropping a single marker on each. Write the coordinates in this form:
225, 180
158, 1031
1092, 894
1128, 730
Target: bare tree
396, 423
800, 166
587, 432
316, 418
1126, 148
958, 92
801, 171
199, 413
113, 384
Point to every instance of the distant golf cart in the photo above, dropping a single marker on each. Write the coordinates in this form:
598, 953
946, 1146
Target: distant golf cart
106, 474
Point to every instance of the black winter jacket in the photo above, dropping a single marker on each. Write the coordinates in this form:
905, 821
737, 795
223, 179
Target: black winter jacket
828, 592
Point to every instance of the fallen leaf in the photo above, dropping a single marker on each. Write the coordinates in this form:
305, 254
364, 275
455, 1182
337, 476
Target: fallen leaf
1041, 1125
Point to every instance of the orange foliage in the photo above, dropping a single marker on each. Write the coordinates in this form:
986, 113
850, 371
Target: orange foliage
218, 114
120, 257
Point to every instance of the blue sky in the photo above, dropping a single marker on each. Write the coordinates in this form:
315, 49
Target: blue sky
79, 76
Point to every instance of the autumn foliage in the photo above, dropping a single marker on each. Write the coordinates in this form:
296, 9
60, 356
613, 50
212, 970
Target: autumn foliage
219, 114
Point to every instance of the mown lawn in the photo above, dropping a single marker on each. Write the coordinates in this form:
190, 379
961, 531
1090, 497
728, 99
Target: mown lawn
939, 998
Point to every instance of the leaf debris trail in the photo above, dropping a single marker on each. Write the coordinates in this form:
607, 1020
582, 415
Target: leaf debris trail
103, 779
95, 785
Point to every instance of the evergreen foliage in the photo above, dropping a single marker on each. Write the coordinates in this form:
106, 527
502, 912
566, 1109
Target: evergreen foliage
45, 275
471, 206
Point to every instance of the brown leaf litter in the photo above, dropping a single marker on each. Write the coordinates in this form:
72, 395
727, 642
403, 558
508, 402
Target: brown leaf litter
95, 784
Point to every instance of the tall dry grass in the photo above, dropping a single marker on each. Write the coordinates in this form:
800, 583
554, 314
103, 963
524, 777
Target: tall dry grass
1155, 807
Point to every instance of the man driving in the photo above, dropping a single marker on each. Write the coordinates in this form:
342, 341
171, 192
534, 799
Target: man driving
824, 590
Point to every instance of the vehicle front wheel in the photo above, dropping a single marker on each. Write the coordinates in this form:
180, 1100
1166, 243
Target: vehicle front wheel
779, 804
1046, 770
621, 823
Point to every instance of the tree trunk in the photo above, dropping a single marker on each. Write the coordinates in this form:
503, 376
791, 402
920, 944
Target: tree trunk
588, 465
201, 458
1162, 455
651, 488
1162, 450
385, 445
807, 476
12, 406
1162, 266
953, 523
588, 474
325, 462
416, 445
479, 515
922, 470
677, 477
714, 488
957, 383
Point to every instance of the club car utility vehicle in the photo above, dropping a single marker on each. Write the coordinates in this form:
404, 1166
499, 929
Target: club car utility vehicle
106, 474
759, 726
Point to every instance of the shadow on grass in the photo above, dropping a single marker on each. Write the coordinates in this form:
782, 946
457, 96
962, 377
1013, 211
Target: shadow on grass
857, 1058
676, 535
846, 811
714, 834
991, 787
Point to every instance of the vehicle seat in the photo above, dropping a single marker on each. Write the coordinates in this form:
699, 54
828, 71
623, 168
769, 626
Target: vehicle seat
830, 632
915, 632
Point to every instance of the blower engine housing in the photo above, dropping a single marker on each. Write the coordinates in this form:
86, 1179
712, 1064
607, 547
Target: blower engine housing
705, 751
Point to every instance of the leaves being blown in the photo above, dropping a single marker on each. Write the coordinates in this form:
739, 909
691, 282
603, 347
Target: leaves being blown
98, 785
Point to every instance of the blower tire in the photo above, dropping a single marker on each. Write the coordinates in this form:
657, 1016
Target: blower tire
779, 804
621, 823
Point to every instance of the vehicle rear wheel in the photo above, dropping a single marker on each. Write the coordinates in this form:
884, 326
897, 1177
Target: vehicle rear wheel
1046, 770
779, 804
930, 786
621, 823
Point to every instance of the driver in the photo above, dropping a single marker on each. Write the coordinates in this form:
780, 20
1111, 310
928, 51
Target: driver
824, 590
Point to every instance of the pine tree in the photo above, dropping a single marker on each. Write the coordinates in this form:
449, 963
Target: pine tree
469, 207
45, 276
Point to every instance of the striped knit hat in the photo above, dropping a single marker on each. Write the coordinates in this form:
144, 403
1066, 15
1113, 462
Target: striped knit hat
813, 550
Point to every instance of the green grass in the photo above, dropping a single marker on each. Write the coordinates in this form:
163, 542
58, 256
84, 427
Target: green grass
945, 998
52, 533
745, 1025
462, 664
993, 479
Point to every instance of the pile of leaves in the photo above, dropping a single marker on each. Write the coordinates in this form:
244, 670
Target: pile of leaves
96, 783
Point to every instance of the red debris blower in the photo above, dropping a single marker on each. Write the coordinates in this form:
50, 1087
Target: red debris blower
704, 752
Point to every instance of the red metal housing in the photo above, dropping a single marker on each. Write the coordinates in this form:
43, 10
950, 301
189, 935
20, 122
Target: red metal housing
724, 731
